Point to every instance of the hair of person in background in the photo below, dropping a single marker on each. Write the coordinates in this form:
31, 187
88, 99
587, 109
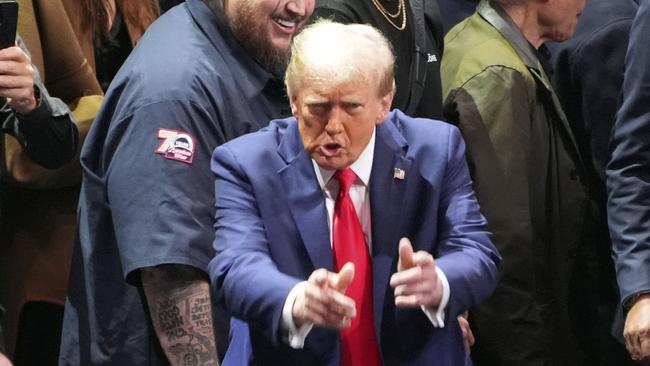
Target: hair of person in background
96, 15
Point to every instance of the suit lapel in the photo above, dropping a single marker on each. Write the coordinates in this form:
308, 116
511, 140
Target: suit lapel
305, 199
307, 205
386, 195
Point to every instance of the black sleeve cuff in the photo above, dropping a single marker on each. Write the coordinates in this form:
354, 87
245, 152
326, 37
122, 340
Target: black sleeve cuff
48, 133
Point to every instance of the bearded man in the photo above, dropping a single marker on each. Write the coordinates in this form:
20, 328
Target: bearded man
204, 73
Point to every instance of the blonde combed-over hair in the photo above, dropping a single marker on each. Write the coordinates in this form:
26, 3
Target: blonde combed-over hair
331, 53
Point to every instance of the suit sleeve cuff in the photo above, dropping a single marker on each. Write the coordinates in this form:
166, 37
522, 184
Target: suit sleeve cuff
436, 315
294, 337
630, 300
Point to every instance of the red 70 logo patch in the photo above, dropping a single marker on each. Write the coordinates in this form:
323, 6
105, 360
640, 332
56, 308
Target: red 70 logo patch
176, 145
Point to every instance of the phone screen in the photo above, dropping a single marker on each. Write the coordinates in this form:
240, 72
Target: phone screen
8, 21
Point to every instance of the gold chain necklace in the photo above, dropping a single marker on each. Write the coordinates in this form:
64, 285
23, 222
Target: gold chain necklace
401, 9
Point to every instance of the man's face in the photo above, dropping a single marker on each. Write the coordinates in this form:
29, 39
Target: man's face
337, 121
559, 18
266, 27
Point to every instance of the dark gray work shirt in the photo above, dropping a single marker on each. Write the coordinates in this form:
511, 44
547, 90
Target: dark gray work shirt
148, 193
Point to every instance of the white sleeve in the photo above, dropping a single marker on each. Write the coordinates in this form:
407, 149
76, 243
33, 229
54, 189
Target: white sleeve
437, 314
295, 337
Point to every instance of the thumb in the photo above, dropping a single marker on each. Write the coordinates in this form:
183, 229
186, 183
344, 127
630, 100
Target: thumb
405, 255
344, 277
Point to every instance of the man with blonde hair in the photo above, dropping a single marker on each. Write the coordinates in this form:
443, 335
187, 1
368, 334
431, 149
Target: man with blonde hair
310, 212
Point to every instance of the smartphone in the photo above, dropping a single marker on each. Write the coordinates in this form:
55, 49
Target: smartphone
8, 21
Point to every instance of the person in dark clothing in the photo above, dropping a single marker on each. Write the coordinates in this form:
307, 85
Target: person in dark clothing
454, 11
42, 125
417, 39
40, 204
168, 4
115, 27
588, 76
202, 74
528, 178
628, 189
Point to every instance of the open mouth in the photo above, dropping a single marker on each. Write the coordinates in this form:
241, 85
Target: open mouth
287, 25
330, 149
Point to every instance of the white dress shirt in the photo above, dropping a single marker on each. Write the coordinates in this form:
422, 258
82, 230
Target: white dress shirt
360, 196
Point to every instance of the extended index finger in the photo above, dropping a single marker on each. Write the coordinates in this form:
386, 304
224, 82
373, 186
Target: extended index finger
319, 277
341, 304
423, 258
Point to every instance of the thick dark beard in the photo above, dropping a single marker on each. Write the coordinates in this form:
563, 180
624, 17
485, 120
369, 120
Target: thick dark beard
273, 60
251, 36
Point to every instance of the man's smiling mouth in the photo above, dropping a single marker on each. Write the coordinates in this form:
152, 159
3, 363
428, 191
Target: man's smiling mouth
286, 24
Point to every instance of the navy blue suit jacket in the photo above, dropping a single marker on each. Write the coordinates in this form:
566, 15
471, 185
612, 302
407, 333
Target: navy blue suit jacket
272, 232
628, 173
588, 79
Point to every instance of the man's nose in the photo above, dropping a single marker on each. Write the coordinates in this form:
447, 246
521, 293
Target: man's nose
334, 123
302, 8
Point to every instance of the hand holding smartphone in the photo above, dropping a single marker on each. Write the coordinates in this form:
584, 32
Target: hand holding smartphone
16, 73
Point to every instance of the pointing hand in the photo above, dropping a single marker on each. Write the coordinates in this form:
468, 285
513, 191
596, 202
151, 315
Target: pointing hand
416, 282
322, 301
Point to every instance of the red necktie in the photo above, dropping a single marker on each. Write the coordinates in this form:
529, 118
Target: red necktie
359, 345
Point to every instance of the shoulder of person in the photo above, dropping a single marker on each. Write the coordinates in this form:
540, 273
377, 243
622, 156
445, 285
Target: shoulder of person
416, 131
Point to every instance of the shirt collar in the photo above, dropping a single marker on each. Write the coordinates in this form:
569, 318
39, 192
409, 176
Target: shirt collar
500, 20
214, 23
362, 167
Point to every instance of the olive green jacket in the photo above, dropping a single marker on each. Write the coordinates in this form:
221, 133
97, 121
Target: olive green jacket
527, 176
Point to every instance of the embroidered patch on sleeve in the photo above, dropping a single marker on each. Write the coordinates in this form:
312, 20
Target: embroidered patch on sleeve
176, 145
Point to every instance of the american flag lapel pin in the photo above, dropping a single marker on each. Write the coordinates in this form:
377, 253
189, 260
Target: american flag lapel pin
398, 173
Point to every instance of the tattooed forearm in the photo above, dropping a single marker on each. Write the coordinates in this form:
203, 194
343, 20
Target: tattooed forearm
179, 302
